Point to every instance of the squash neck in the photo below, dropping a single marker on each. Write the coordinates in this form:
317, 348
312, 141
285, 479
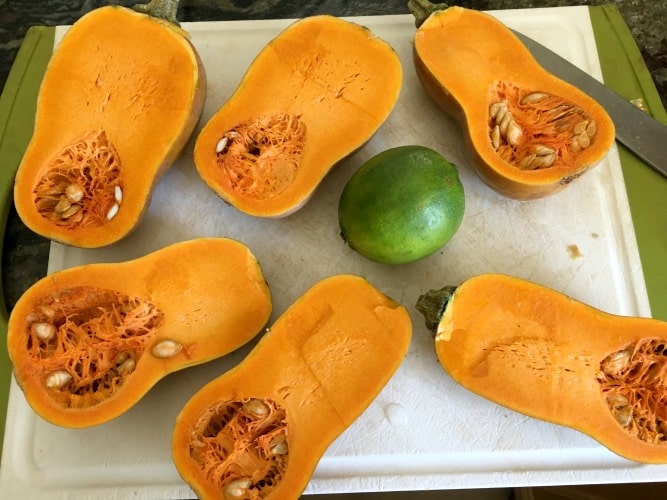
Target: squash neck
162, 9
421, 9
433, 304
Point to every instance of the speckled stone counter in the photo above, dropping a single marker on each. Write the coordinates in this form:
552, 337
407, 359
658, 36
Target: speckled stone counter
24, 256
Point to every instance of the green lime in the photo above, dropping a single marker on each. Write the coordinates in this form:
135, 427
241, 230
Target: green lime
401, 205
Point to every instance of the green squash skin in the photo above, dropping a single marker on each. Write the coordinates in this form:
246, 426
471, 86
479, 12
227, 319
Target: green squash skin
402, 205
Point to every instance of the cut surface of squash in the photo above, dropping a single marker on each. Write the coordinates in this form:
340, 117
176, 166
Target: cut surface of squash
259, 430
121, 96
88, 342
529, 133
316, 93
541, 353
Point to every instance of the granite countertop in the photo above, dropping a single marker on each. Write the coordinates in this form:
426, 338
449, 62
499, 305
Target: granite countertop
25, 254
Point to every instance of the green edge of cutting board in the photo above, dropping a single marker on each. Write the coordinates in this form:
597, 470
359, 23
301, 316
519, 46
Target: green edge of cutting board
17, 118
624, 70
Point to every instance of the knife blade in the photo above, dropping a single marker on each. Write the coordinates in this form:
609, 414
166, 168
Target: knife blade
638, 131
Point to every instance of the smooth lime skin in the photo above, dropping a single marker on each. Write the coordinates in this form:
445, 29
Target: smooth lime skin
401, 205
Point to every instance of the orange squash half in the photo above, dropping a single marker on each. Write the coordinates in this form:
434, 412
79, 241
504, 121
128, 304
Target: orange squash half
541, 353
121, 96
87, 343
313, 95
529, 133
259, 430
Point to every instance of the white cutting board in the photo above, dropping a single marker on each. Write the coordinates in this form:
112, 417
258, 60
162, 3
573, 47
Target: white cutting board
423, 431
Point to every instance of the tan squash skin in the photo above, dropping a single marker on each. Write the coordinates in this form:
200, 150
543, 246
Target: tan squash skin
539, 352
340, 79
135, 77
458, 70
210, 290
324, 361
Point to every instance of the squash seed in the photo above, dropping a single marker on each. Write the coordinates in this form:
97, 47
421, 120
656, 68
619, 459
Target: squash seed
559, 113
620, 408
514, 133
47, 205
126, 367
256, 407
76, 218
547, 160
580, 127
118, 194
583, 140
504, 126
58, 379
113, 211
222, 144
528, 162
238, 488
63, 204
47, 311
166, 348
591, 128
623, 415
614, 364
121, 357
495, 137
541, 150
540, 157
504, 123
533, 97
43, 331
497, 110
74, 193
278, 445
54, 191
73, 209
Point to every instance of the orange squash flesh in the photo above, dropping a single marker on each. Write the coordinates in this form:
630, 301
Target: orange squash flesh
467, 61
313, 95
541, 353
263, 426
117, 328
119, 100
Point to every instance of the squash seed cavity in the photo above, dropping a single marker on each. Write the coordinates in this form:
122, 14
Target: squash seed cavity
242, 447
82, 186
633, 382
260, 157
87, 341
535, 130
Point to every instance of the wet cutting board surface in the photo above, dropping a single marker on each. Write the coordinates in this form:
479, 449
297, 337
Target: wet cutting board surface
423, 431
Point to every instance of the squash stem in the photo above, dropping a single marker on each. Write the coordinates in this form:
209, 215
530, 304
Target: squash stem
421, 9
163, 9
433, 304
